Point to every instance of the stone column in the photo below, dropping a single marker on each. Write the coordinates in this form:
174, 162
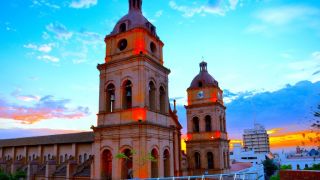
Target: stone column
1, 153
71, 169
50, 168
56, 152
32, 169
160, 159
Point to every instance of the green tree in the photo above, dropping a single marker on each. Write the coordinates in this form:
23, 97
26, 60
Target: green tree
284, 167
269, 167
314, 167
15, 176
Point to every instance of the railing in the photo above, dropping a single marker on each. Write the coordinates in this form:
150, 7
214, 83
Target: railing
231, 176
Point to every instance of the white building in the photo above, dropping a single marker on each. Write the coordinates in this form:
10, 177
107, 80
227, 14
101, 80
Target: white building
242, 155
256, 139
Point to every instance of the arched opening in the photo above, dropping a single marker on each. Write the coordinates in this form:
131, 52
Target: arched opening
200, 84
80, 159
208, 123
106, 165
152, 96
298, 166
110, 98
210, 160
126, 165
166, 163
221, 124
154, 164
195, 121
127, 95
162, 99
153, 47
85, 156
122, 27
197, 160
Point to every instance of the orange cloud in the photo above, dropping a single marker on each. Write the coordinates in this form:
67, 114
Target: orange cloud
46, 108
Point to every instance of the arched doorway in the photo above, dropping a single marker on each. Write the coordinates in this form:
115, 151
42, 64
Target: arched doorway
126, 165
152, 96
107, 165
166, 163
154, 164
162, 100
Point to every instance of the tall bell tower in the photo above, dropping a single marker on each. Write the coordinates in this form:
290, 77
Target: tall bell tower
134, 116
207, 142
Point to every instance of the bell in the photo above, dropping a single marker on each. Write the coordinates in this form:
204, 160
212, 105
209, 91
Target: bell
128, 93
112, 97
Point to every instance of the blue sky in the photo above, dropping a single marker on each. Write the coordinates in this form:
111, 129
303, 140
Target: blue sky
49, 51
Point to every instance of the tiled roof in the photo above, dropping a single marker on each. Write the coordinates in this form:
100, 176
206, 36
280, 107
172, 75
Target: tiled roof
83, 137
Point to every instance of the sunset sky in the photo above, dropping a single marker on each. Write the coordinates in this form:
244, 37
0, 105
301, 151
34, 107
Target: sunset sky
264, 53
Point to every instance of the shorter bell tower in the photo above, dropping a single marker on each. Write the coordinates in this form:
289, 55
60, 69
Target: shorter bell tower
207, 141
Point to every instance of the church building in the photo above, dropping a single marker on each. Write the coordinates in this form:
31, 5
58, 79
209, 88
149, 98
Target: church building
137, 134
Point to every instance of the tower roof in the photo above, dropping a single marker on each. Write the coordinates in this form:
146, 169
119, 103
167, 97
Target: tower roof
134, 19
203, 79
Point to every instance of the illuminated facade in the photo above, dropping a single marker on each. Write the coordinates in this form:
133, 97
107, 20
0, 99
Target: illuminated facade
207, 142
134, 120
134, 112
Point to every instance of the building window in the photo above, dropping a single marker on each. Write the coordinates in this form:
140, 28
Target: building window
127, 95
80, 159
208, 123
123, 27
195, 121
166, 163
210, 160
65, 157
154, 164
200, 84
197, 160
110, 97
49, 157
162, 98
152, 95
107, 165
85, 156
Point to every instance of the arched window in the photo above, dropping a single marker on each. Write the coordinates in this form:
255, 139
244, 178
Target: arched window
200, 84
80, 159
123, 27
33, 157
210, 160
110, 98
126, 165
208, 123
154, 164
49, 157
152, 96
85, 156
298, 166
61, 159
107, 165
127, 95
166, 163
65, 157
197, 160
162, 100
195, 121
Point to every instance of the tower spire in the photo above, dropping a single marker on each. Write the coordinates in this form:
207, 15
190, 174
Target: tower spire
135, 5
203, 66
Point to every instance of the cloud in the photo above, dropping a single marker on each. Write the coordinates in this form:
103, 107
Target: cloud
277, 19
189, 11
45, 48
286, 14
44, 3
47, 107
83, 3
159, 13
48, 58
60, 31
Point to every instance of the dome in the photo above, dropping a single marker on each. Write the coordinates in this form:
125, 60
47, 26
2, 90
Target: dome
203, 79
133, 19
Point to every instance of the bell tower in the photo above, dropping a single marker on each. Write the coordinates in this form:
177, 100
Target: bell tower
207, 142
134, 115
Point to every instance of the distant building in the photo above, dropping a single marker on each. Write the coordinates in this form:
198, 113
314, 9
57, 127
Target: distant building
256, 139
246, 156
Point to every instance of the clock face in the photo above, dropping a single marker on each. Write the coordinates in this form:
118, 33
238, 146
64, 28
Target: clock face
200, 94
